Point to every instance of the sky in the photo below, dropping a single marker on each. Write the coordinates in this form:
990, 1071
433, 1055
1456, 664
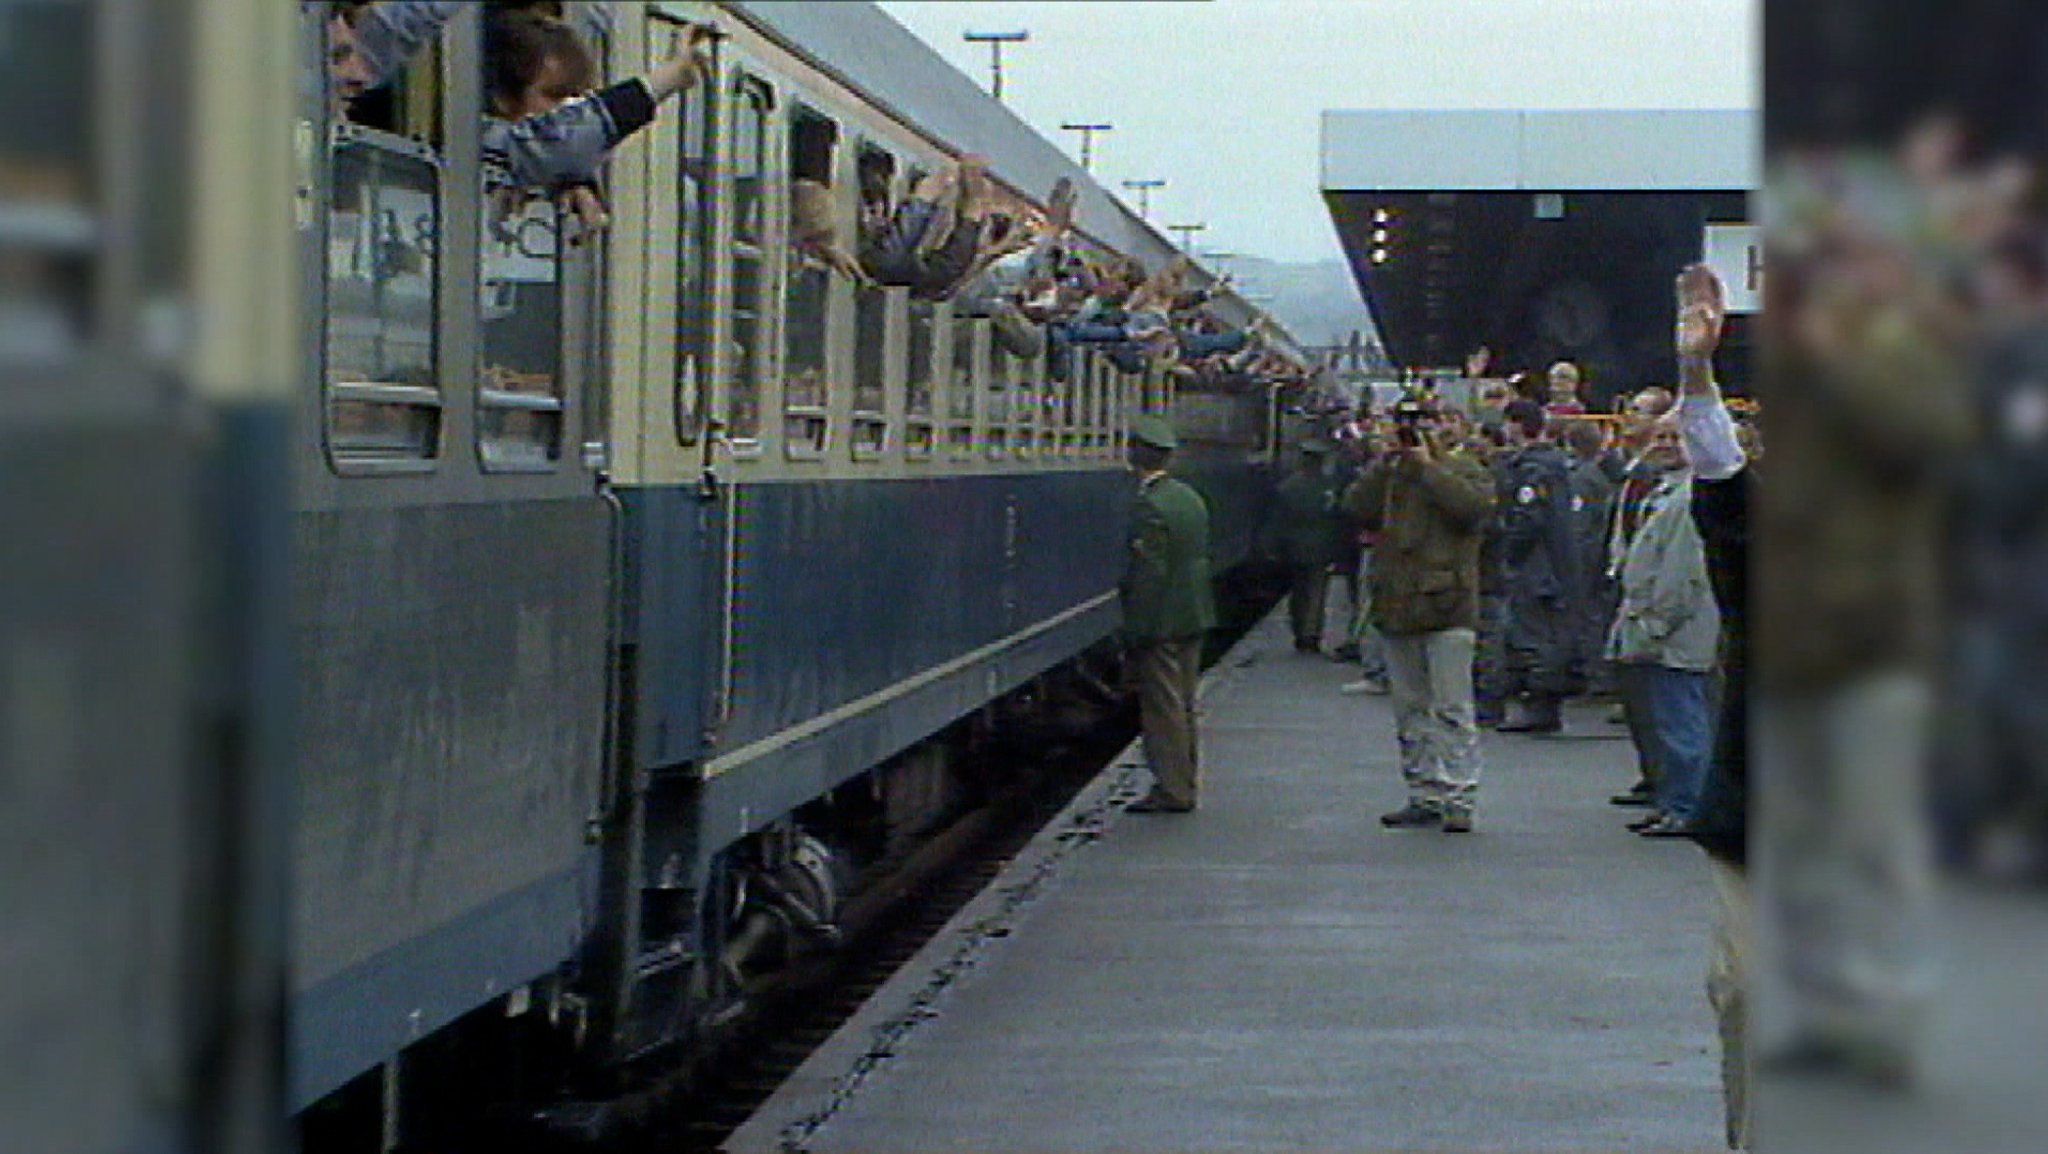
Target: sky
1223, 99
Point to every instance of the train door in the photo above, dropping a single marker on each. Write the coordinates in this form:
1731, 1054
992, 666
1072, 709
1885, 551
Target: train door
451, 569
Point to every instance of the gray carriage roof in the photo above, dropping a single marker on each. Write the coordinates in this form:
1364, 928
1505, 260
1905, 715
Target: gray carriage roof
869, 51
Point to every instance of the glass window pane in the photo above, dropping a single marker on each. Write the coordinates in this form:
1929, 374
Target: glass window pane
382, 282
743, 392
519, 387
871, 315
923, 334
694, 268
804, 333
47, 181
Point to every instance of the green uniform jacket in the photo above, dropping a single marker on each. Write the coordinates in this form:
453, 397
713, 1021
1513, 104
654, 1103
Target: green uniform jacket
1430, 519
1307, 527
1165, 588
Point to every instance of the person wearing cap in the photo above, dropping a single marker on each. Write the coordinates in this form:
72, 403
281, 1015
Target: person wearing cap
1541, 569
1168, 608
1303, 537
1429, 503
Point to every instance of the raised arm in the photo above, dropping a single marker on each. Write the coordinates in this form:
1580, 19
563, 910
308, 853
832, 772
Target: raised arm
1703, 417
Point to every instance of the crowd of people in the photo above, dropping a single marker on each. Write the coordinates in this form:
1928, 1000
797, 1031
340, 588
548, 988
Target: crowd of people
1500, 558
957, 235
1590, 580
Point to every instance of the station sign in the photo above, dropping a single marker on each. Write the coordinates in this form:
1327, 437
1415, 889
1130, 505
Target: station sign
1736, 252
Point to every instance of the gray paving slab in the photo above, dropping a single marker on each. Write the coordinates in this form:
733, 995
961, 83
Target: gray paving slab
1985, 1089
1275, 972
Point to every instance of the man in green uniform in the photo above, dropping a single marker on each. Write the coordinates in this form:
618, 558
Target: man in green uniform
1168, 607
1304, 536
1430, 504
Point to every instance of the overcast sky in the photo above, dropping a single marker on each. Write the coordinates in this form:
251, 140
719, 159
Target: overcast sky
1222, 98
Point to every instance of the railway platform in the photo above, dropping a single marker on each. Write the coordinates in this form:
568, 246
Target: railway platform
1275, 971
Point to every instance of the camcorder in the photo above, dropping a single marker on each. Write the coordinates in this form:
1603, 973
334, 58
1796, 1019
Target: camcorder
1409, 416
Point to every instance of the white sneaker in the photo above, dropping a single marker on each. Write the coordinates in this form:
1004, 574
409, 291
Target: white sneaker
1365, 686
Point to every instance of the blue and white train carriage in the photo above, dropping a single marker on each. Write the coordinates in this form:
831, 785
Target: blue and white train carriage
614, 563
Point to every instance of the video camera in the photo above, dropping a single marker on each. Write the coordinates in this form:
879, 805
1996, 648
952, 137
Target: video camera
1410, 414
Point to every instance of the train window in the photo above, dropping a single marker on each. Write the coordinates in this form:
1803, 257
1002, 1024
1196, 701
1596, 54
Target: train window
1025, 400
870, 361
747, 369
383, 398
48, 182
1082, 373
1102, 408
383, 273
1060, 436
996, 419
803, 372
875, 177
519, 388
875, 171
960, 389
695, 115
806, 301
919, 375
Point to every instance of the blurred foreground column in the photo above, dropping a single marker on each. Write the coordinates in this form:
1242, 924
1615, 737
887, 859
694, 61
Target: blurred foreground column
146, 337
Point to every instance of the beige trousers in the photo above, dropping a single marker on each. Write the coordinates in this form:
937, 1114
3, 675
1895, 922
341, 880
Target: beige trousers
1167, 673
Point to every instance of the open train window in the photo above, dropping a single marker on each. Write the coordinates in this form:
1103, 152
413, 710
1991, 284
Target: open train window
746, 368
870, 436
960, 388
919, 373
870, 363
813, 138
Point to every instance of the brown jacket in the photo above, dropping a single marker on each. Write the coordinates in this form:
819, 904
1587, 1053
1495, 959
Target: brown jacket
1429, 518
1851, 508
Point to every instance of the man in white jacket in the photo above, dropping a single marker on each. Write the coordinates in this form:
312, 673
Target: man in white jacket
1665, 637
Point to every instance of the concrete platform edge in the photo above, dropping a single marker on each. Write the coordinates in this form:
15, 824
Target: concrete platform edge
871, 1039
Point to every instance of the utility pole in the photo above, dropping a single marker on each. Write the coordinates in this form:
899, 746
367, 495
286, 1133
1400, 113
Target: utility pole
995, 42
1088, 132
1187, 235
1144, 190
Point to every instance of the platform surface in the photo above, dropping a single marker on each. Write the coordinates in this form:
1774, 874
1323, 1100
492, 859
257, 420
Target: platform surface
1276, 972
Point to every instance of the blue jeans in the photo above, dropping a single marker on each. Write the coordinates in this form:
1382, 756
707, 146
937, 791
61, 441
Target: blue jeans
1682, 726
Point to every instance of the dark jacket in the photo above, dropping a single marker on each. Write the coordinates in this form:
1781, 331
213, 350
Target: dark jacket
1429, 520
1535, 519
1593, 489
1307, 527
1720, 510
1165, 588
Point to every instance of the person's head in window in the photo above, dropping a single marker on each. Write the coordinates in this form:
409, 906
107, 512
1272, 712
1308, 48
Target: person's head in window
533, 64
348, 71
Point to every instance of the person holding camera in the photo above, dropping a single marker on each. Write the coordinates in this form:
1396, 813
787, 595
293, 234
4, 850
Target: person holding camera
1429, 503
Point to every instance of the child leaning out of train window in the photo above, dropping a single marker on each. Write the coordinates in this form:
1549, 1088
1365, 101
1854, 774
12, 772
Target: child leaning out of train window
545, 130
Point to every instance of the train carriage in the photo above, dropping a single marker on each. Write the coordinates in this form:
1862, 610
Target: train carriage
629, 577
